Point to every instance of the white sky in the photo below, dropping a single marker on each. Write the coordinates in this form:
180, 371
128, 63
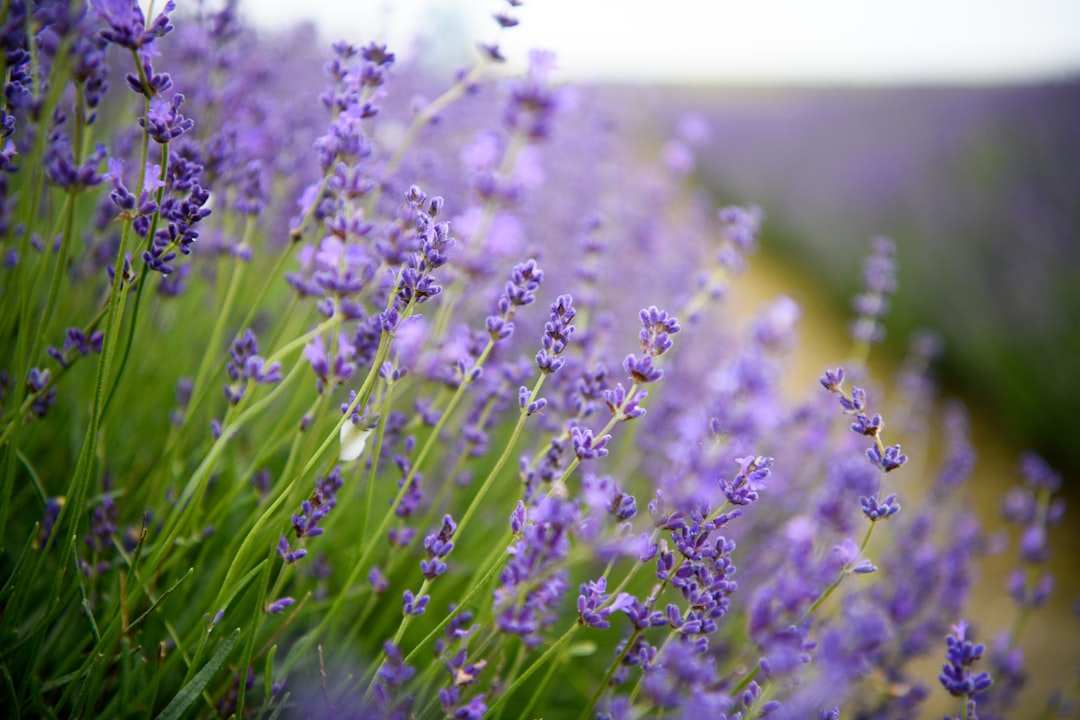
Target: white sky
749, 41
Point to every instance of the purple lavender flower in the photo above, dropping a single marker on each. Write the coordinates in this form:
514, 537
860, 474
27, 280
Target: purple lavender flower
276, 606
621, 407
48, 521
879, 281
641, 614
642, 371
956, 674
394, 672
876, 510
531, 407
330, 372
61, 170
868, 426
586, 446
127, 23
593, 596
741, 226
519, 291
438, 546
44, 394
517, 518
533, 102
379, 583
743, 490
412, 605
833, 380
313, 510
286, 553
417, 284
889, 460
531, 583
557, 332
656, 328
245, 365
473, 710
163, 121
1038, 474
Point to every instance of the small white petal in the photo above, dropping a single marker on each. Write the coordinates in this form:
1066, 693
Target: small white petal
353, 440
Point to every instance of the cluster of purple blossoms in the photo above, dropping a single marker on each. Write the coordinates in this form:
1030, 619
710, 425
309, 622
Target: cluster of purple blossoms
534, 581
355, 74
438, 546
38, 386
657, 327
462, 674
417, 285
886, 459
557, 333
182, 209
60, 167
879, 282
698, 564
245, 366
392, 675
175, 198
76, 343
743, 490
504, 20
1033, 507
519, 291
305, 524
164, 121
103, 531
739, 231
956, 674
128, 28
329, 374
323, 500
533, 101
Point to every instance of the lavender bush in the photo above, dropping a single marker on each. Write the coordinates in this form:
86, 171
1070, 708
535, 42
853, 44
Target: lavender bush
421, 398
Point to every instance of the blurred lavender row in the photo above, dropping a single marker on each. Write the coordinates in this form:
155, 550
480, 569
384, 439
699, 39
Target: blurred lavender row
980, 189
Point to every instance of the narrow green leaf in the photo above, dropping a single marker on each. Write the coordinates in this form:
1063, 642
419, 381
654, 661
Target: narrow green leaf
10, 584
190, 692
281, 706
12, 703
268, 675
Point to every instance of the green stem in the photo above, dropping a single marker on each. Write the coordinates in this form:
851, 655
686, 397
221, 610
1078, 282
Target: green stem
497, 468
190, 495
214, 344
133, 323
602, 687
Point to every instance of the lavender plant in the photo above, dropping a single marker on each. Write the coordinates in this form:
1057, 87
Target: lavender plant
286, 430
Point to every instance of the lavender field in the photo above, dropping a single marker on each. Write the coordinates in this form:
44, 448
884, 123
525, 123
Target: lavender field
978, 187
335, 387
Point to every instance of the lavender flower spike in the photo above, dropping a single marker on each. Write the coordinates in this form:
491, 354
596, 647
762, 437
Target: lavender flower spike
520, 290
656, 327
956, 675
557, 332
586, 446
888, 460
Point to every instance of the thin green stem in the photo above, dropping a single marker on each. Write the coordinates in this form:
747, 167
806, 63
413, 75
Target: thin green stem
133, 323
498, 466
602, 687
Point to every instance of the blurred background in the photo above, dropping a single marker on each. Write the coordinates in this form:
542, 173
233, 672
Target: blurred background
953, 128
